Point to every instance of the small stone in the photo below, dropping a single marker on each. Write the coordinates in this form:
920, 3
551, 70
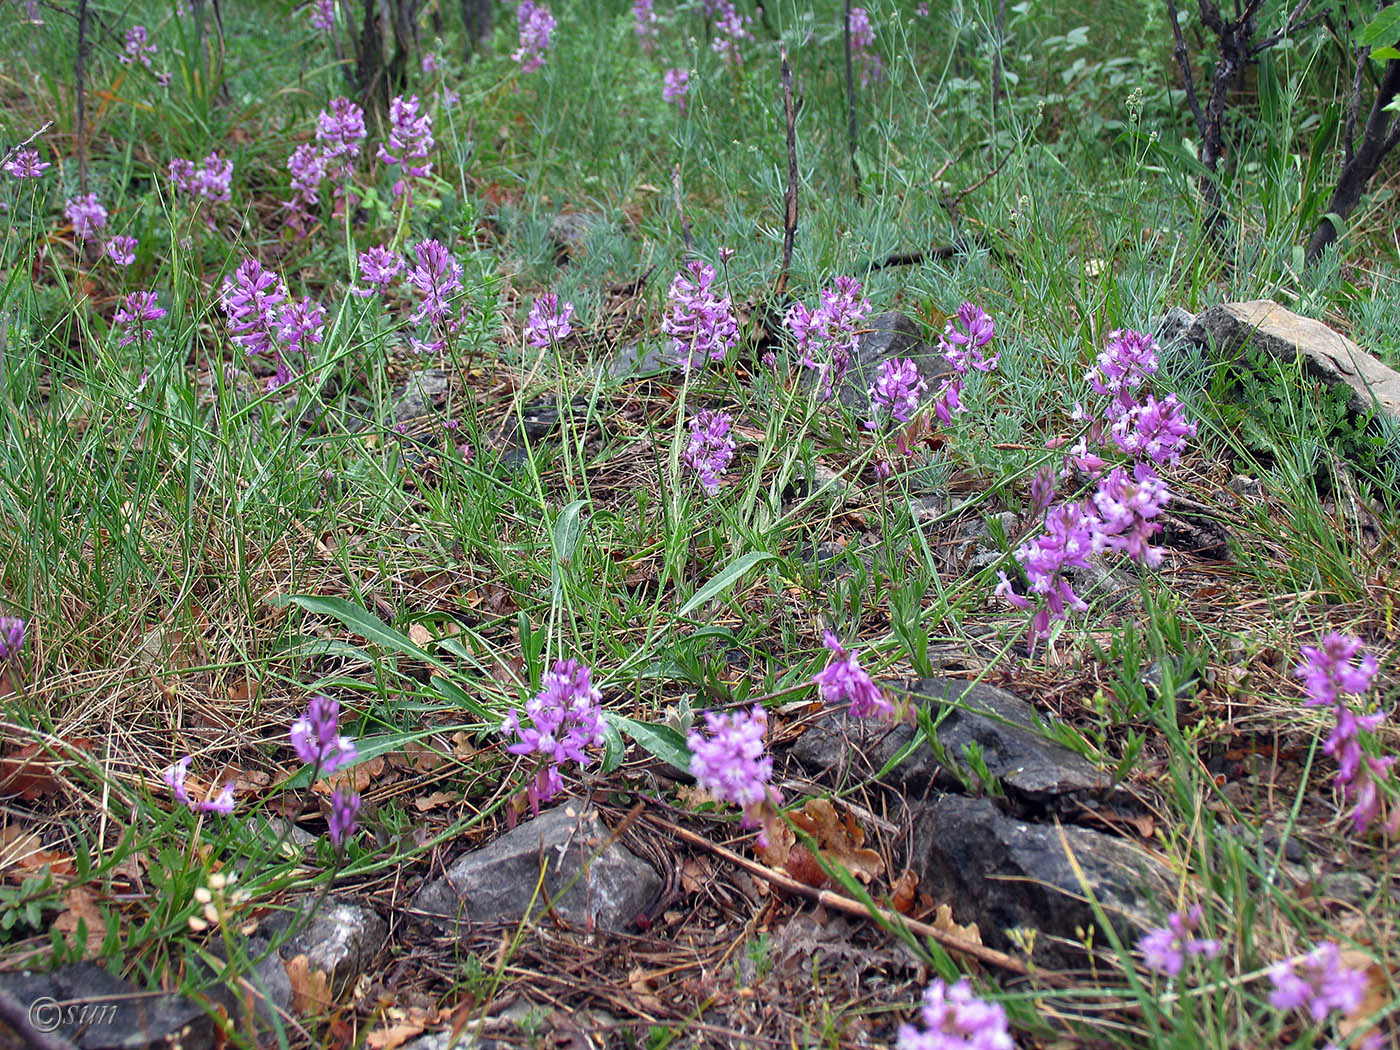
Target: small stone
569, 233
891, 334
340, 941
425, 391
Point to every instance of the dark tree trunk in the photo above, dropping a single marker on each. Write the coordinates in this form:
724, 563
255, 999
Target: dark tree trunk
1380, 136
379, 77
80, 79
476, 20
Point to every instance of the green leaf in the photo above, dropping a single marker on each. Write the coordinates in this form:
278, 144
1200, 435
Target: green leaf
724, 580
567, 529
1386, 54
660, 741
455, 694
1383, 29
363, 623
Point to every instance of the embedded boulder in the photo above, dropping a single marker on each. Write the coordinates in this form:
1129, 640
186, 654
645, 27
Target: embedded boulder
889, 335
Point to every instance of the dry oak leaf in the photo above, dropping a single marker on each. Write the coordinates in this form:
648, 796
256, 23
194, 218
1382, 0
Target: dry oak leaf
943, 920
357, 778
34, 771
311, 992
904, 895
81, 907
22, 853
433, 801
839, 840
400, 1025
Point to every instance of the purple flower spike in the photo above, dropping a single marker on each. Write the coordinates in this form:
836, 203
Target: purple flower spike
323, 15
436, 276
26, 165
872, 66
11, 637
675, 86
379, 266
844, 680
955, 1019
1166, 949
728, 760
87, 216
700, 322
644, 16
211, 181
135, 308
121, 250
316, 737
1317, 983
536, 26
340, 131
962, 348
345, 812
711, 447
174, 777
250, 298
548, 322
411, 138
896, 390
826, 337
567, 718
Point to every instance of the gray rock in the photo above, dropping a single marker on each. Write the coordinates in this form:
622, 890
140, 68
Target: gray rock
425, 391
118, 1014
892, 334
569, 233
1172, 326
1036, 771
267, 987
633, 360
1004, 874
496, 883
1286, 336
340, 941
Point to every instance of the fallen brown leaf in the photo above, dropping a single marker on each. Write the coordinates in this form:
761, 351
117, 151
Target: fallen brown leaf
311, 994
80, 906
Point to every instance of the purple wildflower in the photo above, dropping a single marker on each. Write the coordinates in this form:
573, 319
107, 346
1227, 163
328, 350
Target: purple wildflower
250, 298
1323, 985
566, 718
379, 266
844, 680
307, 166
897, 389
872, 66
300, 326
922, 9
1065, 544
323, 17
86, 214
644, 15
1156, 430
1167, 948
955, 1019
316, 737
1042, 490
1330, 671
136, 308
536, 26
121, 250
11, 637
1124, 509
411, 136
729, 760
961, 348
1124, 365
675, 86
700, 322
548, 322
345, 812
729, 32
211, 180
340, 131
174, 777
138, 49
826, 336
436, 276
25, 164
711, 447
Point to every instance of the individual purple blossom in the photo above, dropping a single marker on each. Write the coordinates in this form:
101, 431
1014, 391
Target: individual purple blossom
644, 17
923, 9
1042, 490
323, 15
730, 31
411, 137
729, 760
25, 164
121, 250
86, 214
174, 777
566, 718
961, 347
548, 323
536, 26
955, 1019
1166, 949
896, 390
250, 298
675, 86
700, 322
844, 680
345, 812
138, 49
136, 308
826, 337
340, 131
379, 265
316, 737
1155, 430
1124, 508
1317, 983
11, 637
872, 66
212, 180
435, 277
307, 166
710, 448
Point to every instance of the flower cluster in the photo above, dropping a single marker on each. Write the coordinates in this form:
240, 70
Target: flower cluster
566, 718
307, 166
136, 308
212, 180
174, 776
379, 265
411, 138
1166, 949
729, 761
138, 48
675, 86
25, 164
261, 317
844, 680
826, 336
86, 214
955, 1019
317, 741
644, 16
730, 31
340, 131
1317, 983
121, 250
1329, 675
896, 390
323, 15
536, 26
962, 350
11, 637
872, 66
700, 322
711, 447
548, 322
435, 276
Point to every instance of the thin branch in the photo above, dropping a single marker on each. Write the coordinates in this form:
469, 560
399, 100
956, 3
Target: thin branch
14, 150
851, 96
1183, 59
1290, 26
680, 207
790, 197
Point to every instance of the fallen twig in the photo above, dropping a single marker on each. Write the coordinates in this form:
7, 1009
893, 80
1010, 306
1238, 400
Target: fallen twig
790, 197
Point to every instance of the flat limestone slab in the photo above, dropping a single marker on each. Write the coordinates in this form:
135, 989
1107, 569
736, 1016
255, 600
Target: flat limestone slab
1284, 335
